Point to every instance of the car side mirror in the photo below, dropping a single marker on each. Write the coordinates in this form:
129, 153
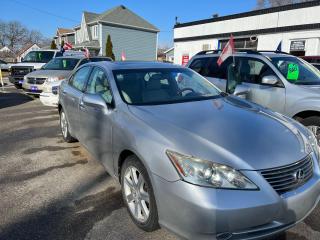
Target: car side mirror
270, 80
94, 100
241, 90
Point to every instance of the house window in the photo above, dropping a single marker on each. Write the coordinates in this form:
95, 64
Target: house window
95, 31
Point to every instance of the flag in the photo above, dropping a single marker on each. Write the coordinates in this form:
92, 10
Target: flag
67, 46
123, 56
279, 48
86, 52
62, 50
227, 51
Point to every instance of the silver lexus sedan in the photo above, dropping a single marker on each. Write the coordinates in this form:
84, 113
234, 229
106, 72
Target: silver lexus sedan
189, 157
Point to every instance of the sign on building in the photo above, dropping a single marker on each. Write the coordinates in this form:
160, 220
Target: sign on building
298, 45
185, 59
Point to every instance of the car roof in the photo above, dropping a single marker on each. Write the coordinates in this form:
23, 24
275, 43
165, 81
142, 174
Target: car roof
82, 57
117, 65
249, 53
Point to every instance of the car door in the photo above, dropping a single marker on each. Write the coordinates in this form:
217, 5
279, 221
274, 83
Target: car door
209, 68
96, 120
248, 74
72, 94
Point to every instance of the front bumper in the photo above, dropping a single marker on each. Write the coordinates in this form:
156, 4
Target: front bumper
16, 80
195, 212
34, 89
49, 99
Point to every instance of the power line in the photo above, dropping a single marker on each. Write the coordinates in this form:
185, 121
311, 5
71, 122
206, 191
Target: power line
44, 11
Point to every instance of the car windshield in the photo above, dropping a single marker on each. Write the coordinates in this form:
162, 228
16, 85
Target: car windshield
163, 86
61, 64
296, 70
38, 56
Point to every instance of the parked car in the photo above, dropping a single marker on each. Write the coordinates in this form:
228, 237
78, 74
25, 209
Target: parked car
314, 60
33, 61
204, 164
279, 81
4, 66
53, 72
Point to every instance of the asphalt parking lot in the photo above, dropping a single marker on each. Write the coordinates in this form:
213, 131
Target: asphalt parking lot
53, 190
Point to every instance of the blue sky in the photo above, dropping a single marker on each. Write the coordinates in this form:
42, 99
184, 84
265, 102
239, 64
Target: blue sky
46, 16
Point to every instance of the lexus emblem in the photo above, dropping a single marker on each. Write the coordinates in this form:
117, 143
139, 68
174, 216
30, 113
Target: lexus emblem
299, 175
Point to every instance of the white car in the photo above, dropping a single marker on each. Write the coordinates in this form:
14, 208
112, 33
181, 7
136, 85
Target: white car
4, 65
50, 95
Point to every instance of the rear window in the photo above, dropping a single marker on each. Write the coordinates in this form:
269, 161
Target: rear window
209, 67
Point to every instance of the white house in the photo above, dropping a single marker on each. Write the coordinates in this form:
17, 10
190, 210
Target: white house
5, 49
25, 50
296, 25
130, 34
169, 54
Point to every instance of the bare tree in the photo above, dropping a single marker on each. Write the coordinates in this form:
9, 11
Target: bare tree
15, 34
276, 3
34, 36
2, 33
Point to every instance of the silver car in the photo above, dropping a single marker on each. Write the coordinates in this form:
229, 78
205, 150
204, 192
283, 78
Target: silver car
279, 81
57, 69
190, 158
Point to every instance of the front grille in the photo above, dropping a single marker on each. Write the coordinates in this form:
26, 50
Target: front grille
37, 81
290, 177
20, 71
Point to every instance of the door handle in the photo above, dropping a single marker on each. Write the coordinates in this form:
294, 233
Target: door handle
82, 106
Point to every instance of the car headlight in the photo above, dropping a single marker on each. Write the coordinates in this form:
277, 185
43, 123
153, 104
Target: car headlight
206, 173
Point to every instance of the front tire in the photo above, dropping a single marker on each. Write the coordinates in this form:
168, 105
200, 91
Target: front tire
138, 194
64, 126
313, 124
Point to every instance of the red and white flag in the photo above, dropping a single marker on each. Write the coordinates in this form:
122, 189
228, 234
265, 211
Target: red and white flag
86, 52
123, 56
67, 46
227, 51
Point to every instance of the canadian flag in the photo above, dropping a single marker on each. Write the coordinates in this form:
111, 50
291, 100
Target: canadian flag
123, 56
227, 51
67, 46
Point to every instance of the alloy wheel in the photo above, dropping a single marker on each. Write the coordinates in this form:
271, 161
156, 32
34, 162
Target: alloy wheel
136, 194
63, 124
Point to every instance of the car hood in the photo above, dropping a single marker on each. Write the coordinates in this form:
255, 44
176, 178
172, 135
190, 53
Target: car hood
28, 64
228, 130
50, 73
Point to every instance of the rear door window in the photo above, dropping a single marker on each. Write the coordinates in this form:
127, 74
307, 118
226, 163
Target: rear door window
200, 65
79, 79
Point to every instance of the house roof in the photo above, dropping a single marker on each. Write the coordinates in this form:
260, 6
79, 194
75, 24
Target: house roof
168, 50
122, 16
61, 31
26, 47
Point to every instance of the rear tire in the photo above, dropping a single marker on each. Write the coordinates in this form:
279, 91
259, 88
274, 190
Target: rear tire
138, 195
64, 126
313, 123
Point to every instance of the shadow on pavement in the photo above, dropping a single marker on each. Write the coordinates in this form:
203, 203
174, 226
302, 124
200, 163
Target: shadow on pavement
66, 219
13, 99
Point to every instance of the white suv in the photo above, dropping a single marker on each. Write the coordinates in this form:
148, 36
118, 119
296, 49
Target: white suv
276, 80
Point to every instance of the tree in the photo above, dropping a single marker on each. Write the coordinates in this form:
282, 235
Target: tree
2, 33
15, 34
34, 36
276, 3
109, 48
62, 43
53, 45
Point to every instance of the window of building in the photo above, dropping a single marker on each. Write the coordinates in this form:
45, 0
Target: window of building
94, 30
206, 47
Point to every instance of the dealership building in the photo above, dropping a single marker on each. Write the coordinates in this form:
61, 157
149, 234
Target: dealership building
297, 26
